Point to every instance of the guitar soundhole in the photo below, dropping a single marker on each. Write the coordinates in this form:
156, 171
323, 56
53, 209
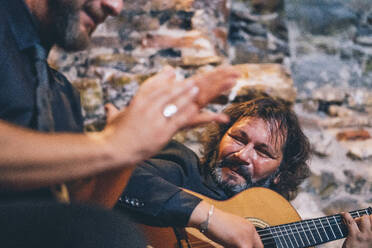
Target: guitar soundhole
257, 222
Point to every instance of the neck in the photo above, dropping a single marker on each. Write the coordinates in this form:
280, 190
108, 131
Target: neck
39, 9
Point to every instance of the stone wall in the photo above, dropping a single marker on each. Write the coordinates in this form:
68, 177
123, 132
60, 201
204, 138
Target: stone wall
315, 54
331, 50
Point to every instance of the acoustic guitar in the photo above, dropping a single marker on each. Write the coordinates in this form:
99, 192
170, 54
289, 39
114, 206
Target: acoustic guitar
277, 223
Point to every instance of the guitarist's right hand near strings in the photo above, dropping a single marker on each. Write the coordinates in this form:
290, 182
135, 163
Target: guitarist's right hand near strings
360, 231
226, 229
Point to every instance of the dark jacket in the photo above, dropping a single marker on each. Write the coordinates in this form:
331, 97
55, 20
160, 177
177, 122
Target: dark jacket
154, 192
18, 34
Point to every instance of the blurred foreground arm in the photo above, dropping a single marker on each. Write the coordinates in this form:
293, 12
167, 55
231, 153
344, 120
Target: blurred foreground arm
147, 107
30, 159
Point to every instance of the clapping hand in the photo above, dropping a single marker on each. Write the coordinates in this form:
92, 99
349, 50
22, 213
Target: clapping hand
162, 106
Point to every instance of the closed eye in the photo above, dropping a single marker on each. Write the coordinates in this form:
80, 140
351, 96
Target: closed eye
238, 138
264, 152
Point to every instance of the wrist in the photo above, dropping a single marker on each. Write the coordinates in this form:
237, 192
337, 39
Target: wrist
104, 148
203, 228
125, 147
200, 215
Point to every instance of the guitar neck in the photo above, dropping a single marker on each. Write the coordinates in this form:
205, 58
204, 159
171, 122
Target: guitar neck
308, 233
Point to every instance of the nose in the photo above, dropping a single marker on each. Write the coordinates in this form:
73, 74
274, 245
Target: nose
246, 154
112, 7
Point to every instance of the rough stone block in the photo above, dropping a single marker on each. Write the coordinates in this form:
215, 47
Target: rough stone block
353, 135
271, 79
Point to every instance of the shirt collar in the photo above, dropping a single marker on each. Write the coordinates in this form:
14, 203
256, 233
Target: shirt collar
23, 24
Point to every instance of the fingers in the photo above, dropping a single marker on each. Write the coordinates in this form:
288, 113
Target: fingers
185, 99
257, 243
360, 232
350, 223
190, 116
111, 112
162, 89
164, 84
365, 223
158, 83
214, 83
206, 117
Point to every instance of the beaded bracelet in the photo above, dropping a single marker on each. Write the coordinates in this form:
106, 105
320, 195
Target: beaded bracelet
204, 224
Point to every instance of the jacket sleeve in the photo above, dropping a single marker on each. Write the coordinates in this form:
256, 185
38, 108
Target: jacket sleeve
154, 196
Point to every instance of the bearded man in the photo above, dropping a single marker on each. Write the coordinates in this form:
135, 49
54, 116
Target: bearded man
261, 146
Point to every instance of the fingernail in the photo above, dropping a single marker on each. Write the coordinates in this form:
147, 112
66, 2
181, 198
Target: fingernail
189, 82
224, 118
167, 68
194, 90
179, 77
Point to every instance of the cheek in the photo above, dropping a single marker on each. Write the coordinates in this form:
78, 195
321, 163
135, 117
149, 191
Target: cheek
226, 148
265, 168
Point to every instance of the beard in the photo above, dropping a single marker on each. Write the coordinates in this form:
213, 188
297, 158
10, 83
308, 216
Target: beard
232, 188
67, 33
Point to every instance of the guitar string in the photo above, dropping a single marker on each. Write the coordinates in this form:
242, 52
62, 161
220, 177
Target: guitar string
332, 221
279, 233
202, 244
288, 235
265, 241
289, 232
274, 234
336, 222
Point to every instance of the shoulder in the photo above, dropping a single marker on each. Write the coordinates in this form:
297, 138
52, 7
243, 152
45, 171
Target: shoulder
175, 161
177, 152
5, 35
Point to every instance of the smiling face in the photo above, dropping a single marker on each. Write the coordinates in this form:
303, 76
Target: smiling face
248, 155
73, 21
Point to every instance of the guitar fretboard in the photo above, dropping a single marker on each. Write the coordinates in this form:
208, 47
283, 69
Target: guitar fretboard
308, 233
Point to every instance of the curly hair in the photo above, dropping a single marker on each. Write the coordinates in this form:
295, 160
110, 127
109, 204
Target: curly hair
283, 124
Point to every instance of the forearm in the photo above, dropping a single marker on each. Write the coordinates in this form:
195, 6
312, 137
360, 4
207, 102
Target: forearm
30, 159
224, 228
199, 214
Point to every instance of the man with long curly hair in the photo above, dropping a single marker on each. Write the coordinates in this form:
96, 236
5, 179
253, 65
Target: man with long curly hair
261, 146
282, 146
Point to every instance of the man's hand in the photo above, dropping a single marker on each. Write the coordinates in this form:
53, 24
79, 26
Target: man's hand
360, 231
213, 83
130, 136
226, 229
141, 129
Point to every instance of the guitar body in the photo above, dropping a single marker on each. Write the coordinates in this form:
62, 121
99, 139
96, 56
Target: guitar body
261, 206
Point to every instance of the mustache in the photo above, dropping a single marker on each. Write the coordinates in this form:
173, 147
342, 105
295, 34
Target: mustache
229, 162
235, 165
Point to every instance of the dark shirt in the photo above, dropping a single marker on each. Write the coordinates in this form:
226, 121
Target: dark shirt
18, 34
154, 196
